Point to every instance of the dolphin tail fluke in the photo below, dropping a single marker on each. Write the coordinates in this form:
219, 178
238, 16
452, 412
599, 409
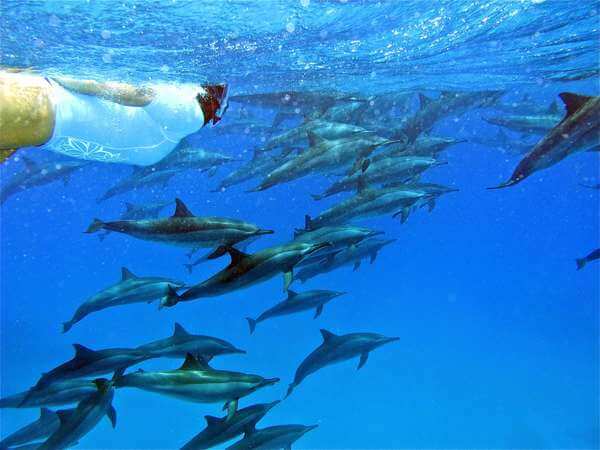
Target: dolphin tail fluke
67, 325
290, 390
581, 262
251, 324
96, 225
506, 184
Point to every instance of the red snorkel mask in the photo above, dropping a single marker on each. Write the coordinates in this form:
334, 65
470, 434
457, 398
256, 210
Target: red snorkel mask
213, 102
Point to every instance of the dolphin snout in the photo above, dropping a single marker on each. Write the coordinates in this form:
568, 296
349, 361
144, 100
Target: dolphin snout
262, 232
238, 351
390, 339
339, 294
310, 428
376, 233
269, 382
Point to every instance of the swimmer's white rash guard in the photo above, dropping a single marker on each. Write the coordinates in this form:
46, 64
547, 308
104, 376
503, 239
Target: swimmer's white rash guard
89, 127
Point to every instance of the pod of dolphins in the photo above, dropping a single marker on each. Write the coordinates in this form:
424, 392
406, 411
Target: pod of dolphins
378, 169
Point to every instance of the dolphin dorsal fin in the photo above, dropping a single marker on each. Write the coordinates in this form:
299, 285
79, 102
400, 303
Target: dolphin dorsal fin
291, 294
64, 415
424, 101
193, 363
82, 352
553, 108
181, 210
314, 139
126, 274
236, 255
211, 420
178, 330
46, 413
573, 102
328, 336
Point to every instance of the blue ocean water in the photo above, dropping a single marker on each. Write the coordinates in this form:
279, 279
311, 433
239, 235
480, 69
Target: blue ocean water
498, 331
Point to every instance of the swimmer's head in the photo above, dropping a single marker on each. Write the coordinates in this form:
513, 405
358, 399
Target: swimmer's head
213, 102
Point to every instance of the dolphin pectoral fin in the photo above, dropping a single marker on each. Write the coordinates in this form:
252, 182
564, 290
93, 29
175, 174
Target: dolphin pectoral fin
431, 204
231, 407
356, 266
403, 214
288, 278
363, 360
318, 311
192, 252
111, 413
373, 257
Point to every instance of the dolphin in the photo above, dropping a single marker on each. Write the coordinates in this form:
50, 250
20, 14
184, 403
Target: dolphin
140, 177
530, 124
130, 289
368, 202
195, 381
39, 174
322, 128
220, 430
276, 437
384, 170
299, 102
350, 112
184, 229
57, 393
43, 427
590, 186
424, 145
294, 303
431, 111
503, 142
335, 349
592, 256
137, 212
353, 255
181, 343
324, 156
187, 156
87, 362
340, 237
245, 270
260, 165
430, 192
526, 105
76, 423
578, 131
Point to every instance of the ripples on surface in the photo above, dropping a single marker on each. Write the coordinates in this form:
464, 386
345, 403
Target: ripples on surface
275, 44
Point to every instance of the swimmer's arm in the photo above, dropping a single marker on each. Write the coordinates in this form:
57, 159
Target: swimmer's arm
121, 93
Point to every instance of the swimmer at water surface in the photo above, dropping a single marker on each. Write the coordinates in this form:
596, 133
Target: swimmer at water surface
102, 121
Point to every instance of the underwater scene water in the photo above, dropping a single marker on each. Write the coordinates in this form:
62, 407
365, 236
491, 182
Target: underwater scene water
344, 170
